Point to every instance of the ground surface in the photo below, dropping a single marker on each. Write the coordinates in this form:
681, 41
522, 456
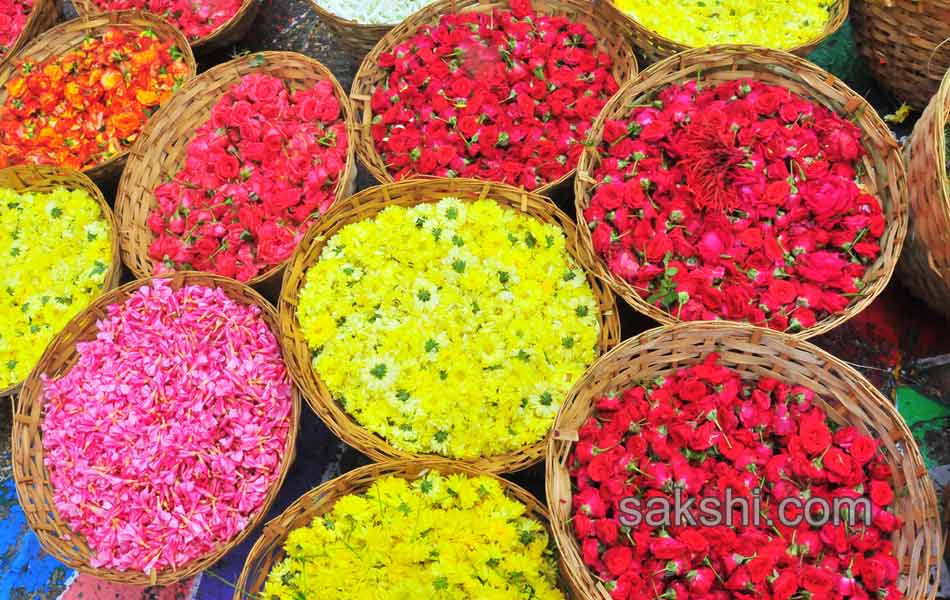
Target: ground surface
885, 343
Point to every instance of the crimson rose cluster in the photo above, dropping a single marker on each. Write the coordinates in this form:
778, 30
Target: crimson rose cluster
738, 200
256, 175
507, 96
704, 431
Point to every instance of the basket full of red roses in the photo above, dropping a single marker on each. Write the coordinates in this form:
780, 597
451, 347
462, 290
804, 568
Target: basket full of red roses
228, 177
499, 91
718, 460
79, 94
208, 25
22, 20
743, 184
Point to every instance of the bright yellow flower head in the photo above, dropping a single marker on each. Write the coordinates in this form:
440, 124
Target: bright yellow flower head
781, 24
451, 328
402, 542
55, 251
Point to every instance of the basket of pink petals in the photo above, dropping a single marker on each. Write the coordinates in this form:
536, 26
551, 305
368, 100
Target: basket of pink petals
156, 430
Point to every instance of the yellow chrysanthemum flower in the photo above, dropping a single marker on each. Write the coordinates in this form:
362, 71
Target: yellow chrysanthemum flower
778, 24
417, 543
55, 251
451, 328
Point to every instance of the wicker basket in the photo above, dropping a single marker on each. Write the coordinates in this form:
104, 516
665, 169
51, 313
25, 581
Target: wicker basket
925, 264
906, 44
46, 178
32, 482
366, 205
43, 15
753, 352
656, 47
268, 551
229, 32
71, 34
357, 38
160, 151
885, 170
601, 17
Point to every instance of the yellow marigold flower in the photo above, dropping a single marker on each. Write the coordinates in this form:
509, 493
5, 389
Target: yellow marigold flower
781, 24
451, 328
419, 543
55, 250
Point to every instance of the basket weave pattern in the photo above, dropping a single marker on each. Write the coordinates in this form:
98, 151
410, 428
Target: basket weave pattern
656, 47
40, 179
268, 551
66, 36
358, 38
885, 171
847, 397
229, 32
906, 44
32, 482
366, 205
601, 17
162, 147
43, 15
925, 264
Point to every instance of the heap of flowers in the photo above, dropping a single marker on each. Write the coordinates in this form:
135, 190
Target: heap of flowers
504, 96
13, 17
255, 176
195, 18
778, 24
705, 433
450, 328
739, 201
440, 536
85, 106
164, 438
373, 12
55, 252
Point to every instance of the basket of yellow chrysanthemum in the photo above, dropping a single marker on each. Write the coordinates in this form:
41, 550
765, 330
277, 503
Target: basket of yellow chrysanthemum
443, 317
407, 529
662, 29
58, 252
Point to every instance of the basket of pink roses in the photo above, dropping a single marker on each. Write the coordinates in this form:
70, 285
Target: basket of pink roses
207, 25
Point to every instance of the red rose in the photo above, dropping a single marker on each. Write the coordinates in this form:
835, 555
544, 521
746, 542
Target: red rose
583, 526
607, 531
785, 586
863, 449
618, 560
881, 493
590, 551
816, 581
814, 434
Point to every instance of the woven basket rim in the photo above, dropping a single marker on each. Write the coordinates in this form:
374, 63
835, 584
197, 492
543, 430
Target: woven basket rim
54, 37
726, 58
43, 174
369, 203
683, 345
32, 395
323, 498
343, 21
361, 90
89, 8
832, 25
942, 117
210, 84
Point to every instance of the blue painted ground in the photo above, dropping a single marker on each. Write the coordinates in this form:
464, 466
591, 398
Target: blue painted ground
27, 571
